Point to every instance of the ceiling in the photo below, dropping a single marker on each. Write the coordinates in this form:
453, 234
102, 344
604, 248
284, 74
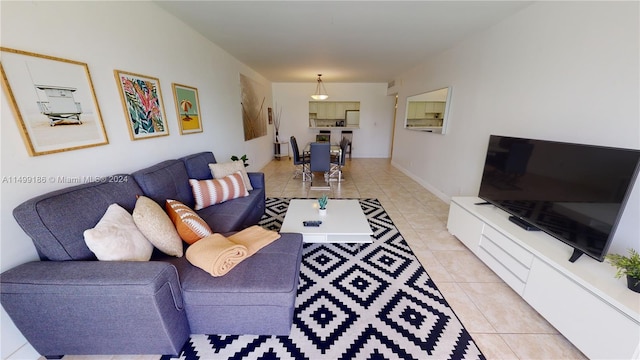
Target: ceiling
346, 41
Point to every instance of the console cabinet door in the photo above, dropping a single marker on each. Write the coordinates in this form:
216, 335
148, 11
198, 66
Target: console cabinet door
599, 330
465, 226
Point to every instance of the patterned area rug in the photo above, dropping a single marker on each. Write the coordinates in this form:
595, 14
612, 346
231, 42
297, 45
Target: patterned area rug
369, 301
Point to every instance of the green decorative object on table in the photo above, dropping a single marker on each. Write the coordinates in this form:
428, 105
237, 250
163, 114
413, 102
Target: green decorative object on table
629, 266
244, 159
322, 202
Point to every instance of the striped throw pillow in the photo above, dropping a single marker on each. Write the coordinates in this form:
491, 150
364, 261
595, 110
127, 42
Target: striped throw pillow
215, 191
190, 226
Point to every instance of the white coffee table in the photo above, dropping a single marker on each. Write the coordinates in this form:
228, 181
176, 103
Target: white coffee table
344, 223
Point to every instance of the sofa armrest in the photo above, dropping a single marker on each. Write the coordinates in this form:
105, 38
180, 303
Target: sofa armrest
92, 277
257, 179
93, 307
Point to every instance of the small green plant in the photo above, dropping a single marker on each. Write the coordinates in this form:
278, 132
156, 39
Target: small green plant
322, 202
244, 159
626, 265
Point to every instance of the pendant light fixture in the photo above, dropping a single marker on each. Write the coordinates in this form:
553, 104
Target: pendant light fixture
321, 92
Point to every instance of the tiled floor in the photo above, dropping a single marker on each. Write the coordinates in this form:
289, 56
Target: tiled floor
501, 323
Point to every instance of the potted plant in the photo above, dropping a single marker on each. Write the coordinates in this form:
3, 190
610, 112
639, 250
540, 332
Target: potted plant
627, 265
322, 203
244, 159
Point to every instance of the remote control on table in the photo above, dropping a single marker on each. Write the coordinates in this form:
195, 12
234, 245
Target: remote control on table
312, 223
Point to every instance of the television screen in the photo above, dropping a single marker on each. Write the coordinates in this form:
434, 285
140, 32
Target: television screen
575, 193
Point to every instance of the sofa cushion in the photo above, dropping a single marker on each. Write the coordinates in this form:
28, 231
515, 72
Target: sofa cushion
267, 278
221, 170
236, 214
189, 225
216, 191
117, 238
197, 165
57, 220
257, 297
156, 225
165, 180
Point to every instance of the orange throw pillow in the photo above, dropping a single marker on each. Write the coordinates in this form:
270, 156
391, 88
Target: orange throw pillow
189, 225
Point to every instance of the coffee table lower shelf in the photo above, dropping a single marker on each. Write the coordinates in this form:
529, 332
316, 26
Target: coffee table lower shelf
335, 238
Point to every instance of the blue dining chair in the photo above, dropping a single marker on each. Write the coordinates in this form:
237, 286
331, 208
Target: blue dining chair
299, 159
320, 162
339, 161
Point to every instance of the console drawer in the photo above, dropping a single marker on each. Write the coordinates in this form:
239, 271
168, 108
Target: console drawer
510, 271
514, 250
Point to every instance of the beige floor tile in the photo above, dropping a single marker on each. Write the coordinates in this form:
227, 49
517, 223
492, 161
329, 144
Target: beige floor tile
463, 306
465, 267
506, 310
542, 347
494, 347
441, 240
436, 271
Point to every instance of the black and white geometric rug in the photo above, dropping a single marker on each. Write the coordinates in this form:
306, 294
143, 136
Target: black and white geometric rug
373, 301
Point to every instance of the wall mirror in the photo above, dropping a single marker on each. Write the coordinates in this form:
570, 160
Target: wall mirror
428, 111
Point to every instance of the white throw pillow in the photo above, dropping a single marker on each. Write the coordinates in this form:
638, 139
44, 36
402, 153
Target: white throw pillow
221, 170
156, 225
116, 237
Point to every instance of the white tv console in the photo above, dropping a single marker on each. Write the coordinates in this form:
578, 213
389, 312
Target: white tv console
582, 300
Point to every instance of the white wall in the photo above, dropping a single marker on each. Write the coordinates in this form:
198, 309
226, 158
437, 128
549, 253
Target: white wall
137, 37
371, 140
565, 71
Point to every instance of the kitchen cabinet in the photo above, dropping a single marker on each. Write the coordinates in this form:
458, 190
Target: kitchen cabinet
340, 110
323, 113
331, 110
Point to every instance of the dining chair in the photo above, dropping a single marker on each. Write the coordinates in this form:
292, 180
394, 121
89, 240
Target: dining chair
299, 160
320, 162
338, 162
323, 136
348, 134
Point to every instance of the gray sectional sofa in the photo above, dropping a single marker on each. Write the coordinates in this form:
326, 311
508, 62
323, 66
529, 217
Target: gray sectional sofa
70, 303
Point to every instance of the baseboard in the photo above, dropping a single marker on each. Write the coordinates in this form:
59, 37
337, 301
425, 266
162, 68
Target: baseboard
25, 352
442, 196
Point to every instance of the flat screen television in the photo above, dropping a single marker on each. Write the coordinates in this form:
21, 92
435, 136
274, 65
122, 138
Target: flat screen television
575, 193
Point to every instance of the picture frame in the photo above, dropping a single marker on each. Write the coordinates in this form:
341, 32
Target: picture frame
53, 101
187, 108
252, 102
142, 103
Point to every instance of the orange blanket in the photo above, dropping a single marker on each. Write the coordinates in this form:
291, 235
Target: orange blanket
217, 254
254, 238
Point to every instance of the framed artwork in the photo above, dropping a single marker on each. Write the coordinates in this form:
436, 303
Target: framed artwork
187, 108
53, 101
270, 114
142, 102
253, 97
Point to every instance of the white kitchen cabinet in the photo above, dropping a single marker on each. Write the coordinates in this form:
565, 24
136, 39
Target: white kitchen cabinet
340, 110
583, 300
331, 110
322, 111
